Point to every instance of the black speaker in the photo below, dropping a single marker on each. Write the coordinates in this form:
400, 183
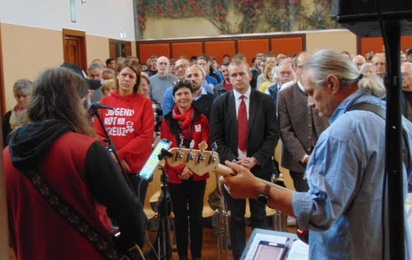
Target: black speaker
362, 16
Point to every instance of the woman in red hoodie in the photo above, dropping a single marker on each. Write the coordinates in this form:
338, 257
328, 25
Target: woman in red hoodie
130, 125
187, 189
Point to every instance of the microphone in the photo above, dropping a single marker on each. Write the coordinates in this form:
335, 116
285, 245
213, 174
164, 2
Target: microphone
100, 106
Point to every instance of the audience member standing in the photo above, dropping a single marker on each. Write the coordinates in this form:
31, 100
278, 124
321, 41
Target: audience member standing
204, 63
270, 59
95, 72
186, 124
225, 85
111, 64
130, 125
157, 108
256, 71
282, 74
162, 80
243, 123
202, 93
300, 127
181, 65
17, 117
379, 64
358, 60
152, 64
406, 69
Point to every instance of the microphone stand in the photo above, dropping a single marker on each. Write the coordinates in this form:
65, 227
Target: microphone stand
164, 209
111, 148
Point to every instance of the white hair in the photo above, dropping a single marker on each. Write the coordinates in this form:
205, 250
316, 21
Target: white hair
329, 62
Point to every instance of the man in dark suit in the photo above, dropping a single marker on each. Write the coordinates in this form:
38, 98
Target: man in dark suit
299, 125
243, 123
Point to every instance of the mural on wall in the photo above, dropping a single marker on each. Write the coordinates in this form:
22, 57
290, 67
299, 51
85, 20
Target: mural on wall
244, 16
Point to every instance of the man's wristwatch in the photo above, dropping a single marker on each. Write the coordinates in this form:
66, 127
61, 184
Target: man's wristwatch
263, 197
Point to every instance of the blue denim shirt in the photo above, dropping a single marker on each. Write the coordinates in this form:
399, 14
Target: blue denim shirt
343, 208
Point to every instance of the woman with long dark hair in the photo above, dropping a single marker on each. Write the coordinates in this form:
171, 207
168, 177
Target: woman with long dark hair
62, 183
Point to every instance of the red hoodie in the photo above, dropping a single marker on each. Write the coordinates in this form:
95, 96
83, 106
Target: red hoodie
130, 126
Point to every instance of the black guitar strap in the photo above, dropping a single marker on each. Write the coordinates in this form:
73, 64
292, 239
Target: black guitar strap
382, 113
106, 248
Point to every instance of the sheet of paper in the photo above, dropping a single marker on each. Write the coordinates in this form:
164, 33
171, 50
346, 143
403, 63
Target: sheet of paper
298, 251
263, 237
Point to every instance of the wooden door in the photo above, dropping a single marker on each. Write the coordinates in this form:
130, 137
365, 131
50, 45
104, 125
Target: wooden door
74, 48
119, 48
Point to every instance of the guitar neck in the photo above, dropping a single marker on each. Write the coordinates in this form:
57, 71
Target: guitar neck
226, 171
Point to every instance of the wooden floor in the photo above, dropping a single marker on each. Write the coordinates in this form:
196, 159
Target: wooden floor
209, 245
209, 251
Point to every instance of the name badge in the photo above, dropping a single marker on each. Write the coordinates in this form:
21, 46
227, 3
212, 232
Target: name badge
198, 128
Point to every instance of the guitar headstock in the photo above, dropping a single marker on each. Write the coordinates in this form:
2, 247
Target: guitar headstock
199, 161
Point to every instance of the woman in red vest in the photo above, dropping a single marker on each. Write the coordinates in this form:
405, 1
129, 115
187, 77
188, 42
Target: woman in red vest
62, 183
186, 124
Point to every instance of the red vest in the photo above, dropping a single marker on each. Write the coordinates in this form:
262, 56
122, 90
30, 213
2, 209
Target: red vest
36, 230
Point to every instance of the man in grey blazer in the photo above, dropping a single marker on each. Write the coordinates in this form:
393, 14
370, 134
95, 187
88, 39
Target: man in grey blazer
256, 149
300, 127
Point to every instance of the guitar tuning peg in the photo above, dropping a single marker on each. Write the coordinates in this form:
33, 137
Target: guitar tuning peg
181, 143
192, 144
214, 146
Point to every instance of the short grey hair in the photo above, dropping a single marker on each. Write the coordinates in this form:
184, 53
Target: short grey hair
22, 86
329, 62
96, 65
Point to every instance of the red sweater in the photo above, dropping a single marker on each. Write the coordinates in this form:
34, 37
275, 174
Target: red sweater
201, 133
130, 126
31, 235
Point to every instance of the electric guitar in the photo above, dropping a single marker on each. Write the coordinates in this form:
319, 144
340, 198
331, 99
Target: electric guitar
202, 161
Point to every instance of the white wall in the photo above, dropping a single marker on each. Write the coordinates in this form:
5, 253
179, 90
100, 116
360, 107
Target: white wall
106, 18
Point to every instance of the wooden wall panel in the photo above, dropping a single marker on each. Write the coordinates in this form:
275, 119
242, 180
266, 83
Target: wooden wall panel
287, 45
189, 49
147, 50
376, 44
250, 48
220, 48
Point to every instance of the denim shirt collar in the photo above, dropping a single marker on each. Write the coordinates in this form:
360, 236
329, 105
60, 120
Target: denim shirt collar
356, 97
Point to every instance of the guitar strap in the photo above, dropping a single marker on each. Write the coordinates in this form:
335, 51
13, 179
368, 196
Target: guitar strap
105, 247
382, 113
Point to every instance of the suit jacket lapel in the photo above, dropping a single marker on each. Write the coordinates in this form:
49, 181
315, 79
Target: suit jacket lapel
252, 109
231, 106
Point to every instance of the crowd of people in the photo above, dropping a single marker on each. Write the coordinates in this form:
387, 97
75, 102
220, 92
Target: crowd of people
335, 155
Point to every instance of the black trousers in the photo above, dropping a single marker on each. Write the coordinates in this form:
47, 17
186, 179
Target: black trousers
187, 201
237, 224
300, 183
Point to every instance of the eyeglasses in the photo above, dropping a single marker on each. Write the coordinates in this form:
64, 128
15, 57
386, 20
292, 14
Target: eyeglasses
181, 83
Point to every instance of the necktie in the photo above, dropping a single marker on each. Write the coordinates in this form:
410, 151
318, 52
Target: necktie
243, 128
